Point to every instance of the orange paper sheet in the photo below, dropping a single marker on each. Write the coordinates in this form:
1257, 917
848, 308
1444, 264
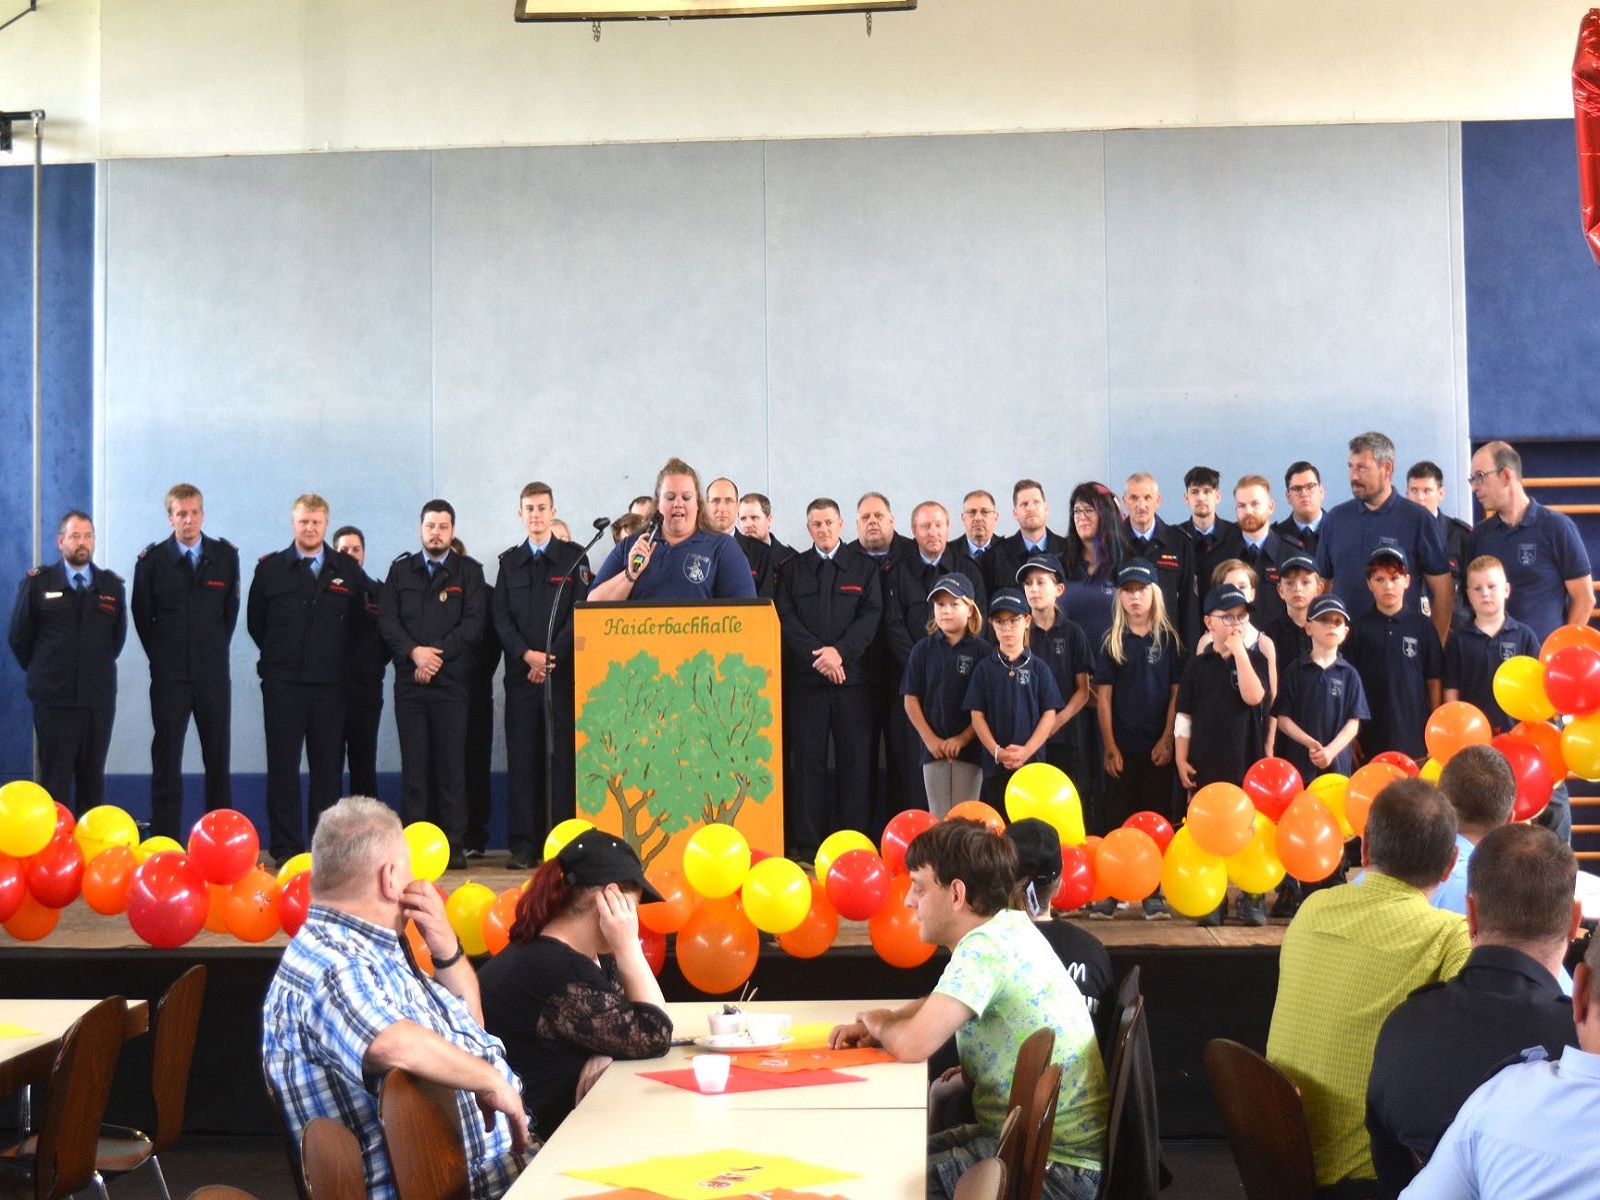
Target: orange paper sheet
790, 1059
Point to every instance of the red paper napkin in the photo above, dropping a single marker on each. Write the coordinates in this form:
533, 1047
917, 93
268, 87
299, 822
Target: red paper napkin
742, 1080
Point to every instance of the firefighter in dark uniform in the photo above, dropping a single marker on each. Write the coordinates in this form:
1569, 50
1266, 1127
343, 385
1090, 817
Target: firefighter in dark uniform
1168, 551
185, 607
67, 628
1202, 492
363, 688
877, 539
1425, 485
432, 614
829, 607
480, 733
1005, 555
536, 574
303, 605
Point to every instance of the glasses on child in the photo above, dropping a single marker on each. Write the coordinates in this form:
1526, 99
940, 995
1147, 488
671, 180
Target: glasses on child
1230, 618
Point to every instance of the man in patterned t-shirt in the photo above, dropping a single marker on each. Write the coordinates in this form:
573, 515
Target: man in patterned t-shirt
1003, 981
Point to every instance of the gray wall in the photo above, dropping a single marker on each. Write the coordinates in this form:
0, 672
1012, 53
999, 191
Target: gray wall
918, 315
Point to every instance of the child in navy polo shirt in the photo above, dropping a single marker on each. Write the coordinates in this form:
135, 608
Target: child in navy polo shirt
1396, 652
1013, 698
1298, 586
1475, 652
934, 686
1059, 642
1321, 702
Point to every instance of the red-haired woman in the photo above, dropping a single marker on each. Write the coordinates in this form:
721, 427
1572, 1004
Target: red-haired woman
573, 991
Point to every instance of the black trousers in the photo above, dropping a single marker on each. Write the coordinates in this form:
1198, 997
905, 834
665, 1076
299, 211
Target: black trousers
1141, 787
72, 751
172, 703
844, 714
887, 726
526, 823
363, 711
309, 717
479, 748
432, 723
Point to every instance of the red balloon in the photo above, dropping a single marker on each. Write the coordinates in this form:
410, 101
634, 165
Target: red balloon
1535, 781
654, 946
1546, 739
1077, 879
223, 846
55, 874
1572, 680
858, 884
894, 931
1396, 759
1153, 823
816, 933
168, 901
902, 828
1271, 783
295, 902
13, 886
65, 821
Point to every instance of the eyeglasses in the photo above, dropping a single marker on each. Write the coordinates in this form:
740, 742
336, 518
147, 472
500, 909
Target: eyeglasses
1080, 511
1230, 618
979, 512
1478, 477
1303, 489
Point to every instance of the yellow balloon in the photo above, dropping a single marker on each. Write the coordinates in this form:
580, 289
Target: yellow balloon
1044, 791
1519, 689
1330, 789
563, 833
1193, 881
155, 845
836, 844
1256, 868
1431, 770
777, 895
1580, 746
716, 860
465, 909
27, 818
102, 827
430, 849
297, 865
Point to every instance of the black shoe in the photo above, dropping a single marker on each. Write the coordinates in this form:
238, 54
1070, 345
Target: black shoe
473, 852
520, 861
458, 861
1289, 898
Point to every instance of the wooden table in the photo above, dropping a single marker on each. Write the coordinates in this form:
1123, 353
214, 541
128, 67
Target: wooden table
27, 1060
877, 1129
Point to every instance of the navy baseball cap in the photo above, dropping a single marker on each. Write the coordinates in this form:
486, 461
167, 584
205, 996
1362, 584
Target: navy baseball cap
1224, 596
1135, 570
1329, 603
1297, 562
595, 858
957, 584
1038, 848
1388, 554
1043, 562
1008, 600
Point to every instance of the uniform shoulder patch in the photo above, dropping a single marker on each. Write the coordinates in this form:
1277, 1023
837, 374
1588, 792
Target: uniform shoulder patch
148, 548
402, 556
510, 550
266, 556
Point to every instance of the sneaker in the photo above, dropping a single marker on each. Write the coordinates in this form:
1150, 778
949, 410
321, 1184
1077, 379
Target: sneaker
1214, 917
1156, 908
1251, 909
1102, 910
521, 861
472, 852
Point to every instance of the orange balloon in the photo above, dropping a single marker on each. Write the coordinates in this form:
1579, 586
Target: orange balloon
217, 907
1091, 847
499, 919
1455, 726
106, 878
32, 921
1546, 739
977, 810
1566, 637
1309, 843
1221, 819
718, 946
1128, 862
816, 933
894, 931
252, 907
676, 904
1364, 787
419, 948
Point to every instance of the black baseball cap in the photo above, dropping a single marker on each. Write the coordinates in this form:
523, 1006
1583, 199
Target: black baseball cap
1224, 596
1043, 562
1388, 554
1009, 600
1297, 562
1135, 570
1038, 848
957, 584
1325, 604
595, 858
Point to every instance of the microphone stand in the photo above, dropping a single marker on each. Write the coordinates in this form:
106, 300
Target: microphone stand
601, 524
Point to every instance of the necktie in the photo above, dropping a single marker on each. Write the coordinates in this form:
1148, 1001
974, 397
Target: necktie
826, 578
310, 565
1251, 554
78, 581
189, 559
432, 567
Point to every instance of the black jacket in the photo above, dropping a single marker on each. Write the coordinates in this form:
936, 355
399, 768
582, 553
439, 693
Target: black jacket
185, 616
905, 618
523, 595
845, 615
303, 626
448, 610
68, 641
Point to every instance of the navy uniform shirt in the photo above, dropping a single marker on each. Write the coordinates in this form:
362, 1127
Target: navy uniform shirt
1351, 532
704, 566
1064, 648
68, 641
937, 674
369, 653
1456, 534
1141, 689
1289, 641
1172, 554
1540, 556
1227, 736
302, 625
520, 606
447, 608
1321, 700
835, 603
1472, 657
1090, 603
764, 558
185, 615
1268, 606
1012, 695
1395, 657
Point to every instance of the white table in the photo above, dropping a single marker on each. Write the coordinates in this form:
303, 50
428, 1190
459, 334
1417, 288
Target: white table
877, 1129
27, 1060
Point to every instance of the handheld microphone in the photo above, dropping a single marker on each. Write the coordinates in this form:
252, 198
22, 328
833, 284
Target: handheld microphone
636, 564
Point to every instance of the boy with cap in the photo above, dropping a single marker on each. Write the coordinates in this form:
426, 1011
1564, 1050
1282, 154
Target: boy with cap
1396, 652
1060, 643
1321, 703
1220, 727
1013, 697
934, 686
1474, 653
1298, 586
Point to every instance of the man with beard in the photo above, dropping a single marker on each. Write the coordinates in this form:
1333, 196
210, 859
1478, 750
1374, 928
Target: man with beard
1034, 536
1254, 542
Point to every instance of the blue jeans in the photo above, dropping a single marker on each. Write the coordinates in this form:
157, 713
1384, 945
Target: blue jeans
952, 1151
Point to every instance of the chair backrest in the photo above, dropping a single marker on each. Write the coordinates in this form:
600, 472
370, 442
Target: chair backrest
177, 1025
220, 1191
80, 1085
1108, 1020
291, 1149
983, 1180
330, 1161
1009, 1149
1038, 1124
1033, 1056
1265, 1120
422, 1132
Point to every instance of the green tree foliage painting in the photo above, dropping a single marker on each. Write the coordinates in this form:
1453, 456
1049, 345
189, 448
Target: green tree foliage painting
674, 750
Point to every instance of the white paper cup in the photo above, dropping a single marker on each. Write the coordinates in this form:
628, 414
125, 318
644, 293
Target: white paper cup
711, 1071
766, 1028
724, 1024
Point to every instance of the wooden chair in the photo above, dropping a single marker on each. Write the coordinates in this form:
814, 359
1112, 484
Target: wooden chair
422, 1133
177, 1022
330, 1161
220, 1191
60, 1160
1038, 1125
1033, 1056
293, 1152
1265, 1121
983, 1180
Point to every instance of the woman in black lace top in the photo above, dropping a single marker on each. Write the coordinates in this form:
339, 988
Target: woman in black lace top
573, 991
